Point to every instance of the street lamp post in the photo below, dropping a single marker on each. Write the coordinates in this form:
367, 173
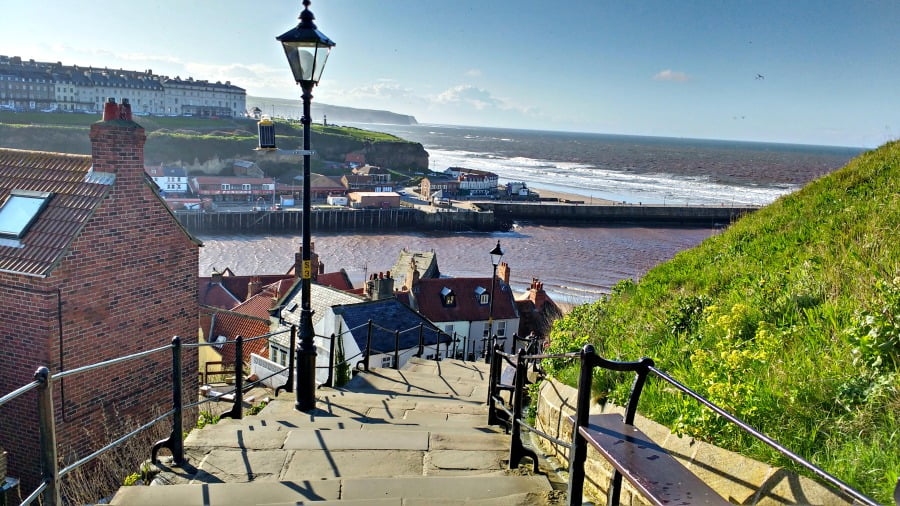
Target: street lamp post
307, 50
496, 255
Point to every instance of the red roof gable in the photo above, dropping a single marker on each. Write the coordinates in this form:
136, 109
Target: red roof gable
75, 196
468, 307
231, 324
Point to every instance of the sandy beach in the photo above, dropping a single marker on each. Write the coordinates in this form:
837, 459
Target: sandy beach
572, 197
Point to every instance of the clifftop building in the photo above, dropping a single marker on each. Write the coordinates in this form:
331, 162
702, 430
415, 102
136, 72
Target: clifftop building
28, 85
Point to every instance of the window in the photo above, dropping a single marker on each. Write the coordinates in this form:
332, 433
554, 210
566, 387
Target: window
448, 298
245, 187
449, 329
500, 329
482, 295
226, 186
387, 361
20, 210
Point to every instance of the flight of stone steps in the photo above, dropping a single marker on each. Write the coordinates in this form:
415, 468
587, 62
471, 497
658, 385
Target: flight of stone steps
408, 437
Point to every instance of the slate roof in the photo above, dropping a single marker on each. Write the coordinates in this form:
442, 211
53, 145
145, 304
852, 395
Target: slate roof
426, 264
76, 195
428, 300
321, 299
388, 316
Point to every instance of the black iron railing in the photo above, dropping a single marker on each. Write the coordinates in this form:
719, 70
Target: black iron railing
512, 410
51, 475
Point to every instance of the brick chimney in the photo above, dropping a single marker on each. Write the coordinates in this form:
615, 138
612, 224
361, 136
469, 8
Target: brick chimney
315, 267
503, 272
117, 146
253, 287
380, 286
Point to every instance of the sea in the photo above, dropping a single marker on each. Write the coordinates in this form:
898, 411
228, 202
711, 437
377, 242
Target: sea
576, 264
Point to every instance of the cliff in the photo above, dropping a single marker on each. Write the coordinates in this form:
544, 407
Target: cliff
284, 108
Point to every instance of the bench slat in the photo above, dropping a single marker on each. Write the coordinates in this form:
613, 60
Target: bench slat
649, 468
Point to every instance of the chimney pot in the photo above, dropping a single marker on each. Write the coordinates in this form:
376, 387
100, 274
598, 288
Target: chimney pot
110, 109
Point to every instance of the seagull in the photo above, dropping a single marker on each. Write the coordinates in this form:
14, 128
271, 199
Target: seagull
760, 76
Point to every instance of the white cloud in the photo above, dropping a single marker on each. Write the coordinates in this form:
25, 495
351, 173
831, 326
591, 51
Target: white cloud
671, 75
478, 98
473, 73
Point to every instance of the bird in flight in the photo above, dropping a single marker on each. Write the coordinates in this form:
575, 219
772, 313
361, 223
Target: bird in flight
760, 76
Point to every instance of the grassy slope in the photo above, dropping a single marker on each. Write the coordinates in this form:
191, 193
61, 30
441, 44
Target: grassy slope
768, 319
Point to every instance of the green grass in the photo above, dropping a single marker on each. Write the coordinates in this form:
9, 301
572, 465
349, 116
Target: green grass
790, 319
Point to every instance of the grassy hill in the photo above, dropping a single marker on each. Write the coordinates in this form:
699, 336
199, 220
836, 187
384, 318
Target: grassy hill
790, 319
170, 139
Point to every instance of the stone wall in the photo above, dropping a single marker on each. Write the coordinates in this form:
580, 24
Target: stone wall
736, 478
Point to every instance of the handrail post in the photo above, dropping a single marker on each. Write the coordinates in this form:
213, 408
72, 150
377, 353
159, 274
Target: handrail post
396, 349
578, 453
237, 409
329, 382
516, 449
493, 380
421, 340
49, 466
289, 384
368, 347
466, 348
174, 442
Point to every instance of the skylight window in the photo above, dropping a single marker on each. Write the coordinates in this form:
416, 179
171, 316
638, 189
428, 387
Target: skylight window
20, 210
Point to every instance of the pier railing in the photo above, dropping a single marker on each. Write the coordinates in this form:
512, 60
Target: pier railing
510, 412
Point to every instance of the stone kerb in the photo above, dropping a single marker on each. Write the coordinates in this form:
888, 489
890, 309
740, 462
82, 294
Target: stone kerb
734, 477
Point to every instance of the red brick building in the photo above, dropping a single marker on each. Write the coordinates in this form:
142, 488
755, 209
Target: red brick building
93, 266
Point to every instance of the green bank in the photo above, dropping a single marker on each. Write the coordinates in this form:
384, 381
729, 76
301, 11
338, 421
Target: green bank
790, 319
199, 140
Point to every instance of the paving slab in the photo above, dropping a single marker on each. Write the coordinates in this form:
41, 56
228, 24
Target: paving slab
318, 465
450, 488
464, 441
229, 494
468, 459
362, 440
237, 436
243, 465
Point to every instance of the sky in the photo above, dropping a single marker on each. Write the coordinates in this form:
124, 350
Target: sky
808, 72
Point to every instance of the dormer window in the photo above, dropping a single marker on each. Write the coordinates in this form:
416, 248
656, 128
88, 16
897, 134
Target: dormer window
448, 297
20, 210
482, 295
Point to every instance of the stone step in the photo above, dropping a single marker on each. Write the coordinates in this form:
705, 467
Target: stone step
446, 424
420, 490
418, 385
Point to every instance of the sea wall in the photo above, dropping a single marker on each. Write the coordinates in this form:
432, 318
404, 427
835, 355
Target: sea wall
616, 214
739, 479
336, 219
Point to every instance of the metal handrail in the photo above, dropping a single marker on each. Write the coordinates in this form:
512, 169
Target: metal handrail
765, 439
19, 391
99, 365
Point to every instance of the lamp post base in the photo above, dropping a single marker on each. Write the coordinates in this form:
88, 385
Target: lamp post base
306, 380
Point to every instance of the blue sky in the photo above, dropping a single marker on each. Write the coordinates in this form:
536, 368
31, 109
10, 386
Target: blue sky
668, 68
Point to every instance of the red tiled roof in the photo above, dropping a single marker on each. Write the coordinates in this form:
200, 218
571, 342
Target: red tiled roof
427, 294
231, 324
339, 280
215, 295
68, 210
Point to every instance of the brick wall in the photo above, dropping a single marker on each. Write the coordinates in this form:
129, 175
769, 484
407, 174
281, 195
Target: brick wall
126, 284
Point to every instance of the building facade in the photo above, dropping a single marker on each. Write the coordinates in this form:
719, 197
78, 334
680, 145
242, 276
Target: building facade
28, 85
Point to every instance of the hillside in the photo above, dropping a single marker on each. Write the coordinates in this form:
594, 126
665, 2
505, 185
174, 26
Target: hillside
199, 142
790, 319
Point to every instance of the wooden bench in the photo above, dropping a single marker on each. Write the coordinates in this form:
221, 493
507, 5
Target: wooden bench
654, 473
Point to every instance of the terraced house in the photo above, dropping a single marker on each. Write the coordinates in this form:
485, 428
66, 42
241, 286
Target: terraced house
93, 266
28, 85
